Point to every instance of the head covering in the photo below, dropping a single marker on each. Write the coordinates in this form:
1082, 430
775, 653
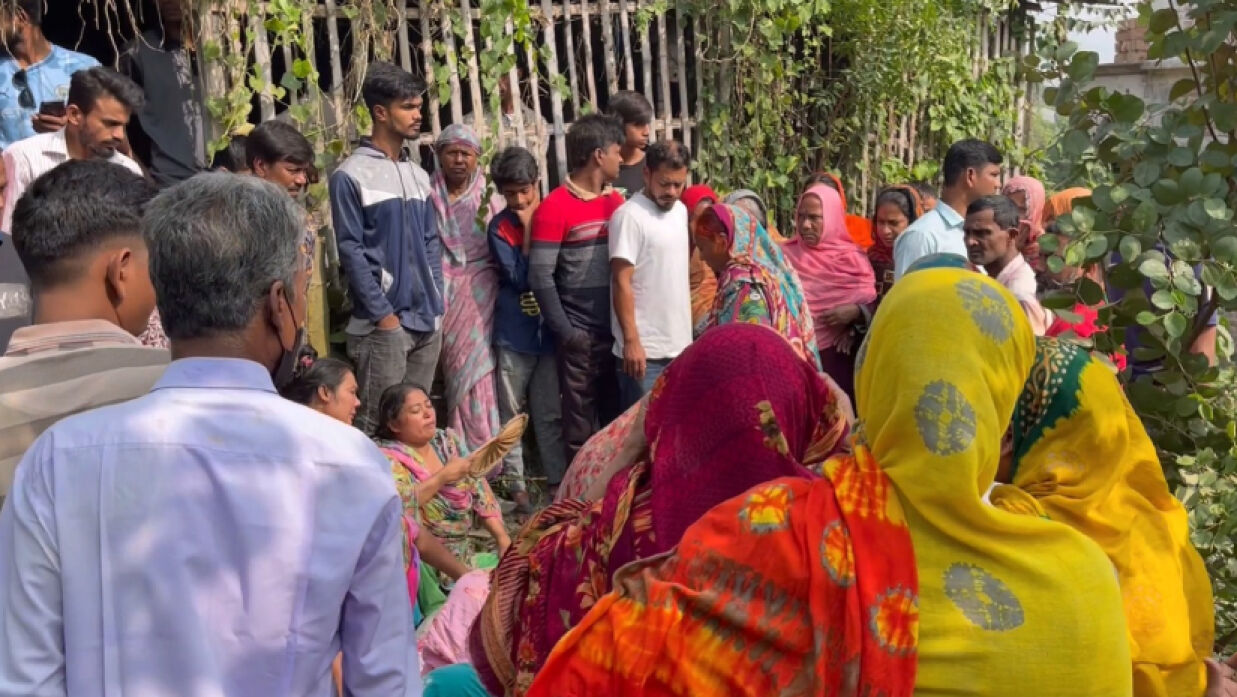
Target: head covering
774, 415
1033, 190
693, 195
879, 252
459, 680
792, 588
458, 134
758, 285
737, 195
1083, 455
858, 227
1009, 605
834, 271
942, 260
1062, 203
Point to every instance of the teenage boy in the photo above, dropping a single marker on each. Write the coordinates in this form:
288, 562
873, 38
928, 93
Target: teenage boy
634, 110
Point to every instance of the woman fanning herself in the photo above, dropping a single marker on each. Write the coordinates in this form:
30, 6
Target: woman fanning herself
1083, 458
755, 284
1027, 193
1008, 605
771, 415
470, 282
837, 279
896, 208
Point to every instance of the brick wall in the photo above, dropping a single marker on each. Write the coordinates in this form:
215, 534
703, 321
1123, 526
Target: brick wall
1131, 42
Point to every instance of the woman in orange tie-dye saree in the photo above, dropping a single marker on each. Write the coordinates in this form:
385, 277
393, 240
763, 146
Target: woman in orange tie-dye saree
739, 408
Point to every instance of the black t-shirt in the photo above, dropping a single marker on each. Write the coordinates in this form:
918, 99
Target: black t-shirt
630, 179
167, 133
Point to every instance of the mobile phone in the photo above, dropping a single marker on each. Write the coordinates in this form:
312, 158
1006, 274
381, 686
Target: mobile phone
55, 108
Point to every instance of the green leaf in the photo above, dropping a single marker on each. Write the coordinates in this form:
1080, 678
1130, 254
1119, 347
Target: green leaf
1216, 208
1082, 66
1167, 192
1163, 299
1129, 247
1181, 88
1154, 269
1162, 20
1146, 173
1058, 299
1097, 247
1146, 318
1175, 324
1191, 181
1126, 108
1225, 249
1145, 216
1181, 157
302, 68
1090, 292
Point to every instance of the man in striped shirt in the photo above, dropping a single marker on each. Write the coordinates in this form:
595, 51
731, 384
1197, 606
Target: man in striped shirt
569, 272
77, 233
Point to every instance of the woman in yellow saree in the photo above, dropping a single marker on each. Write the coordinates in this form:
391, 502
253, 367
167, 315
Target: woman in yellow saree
1009, 605
1084, 458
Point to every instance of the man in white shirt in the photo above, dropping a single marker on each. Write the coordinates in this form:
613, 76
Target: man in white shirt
209, 538
100, 104
651, 313
972, 169
992, 228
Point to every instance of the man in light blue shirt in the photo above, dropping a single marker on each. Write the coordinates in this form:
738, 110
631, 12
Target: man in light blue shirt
36, 71
972, 170
209, 538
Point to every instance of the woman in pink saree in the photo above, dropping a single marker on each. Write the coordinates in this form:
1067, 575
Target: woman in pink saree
471, 285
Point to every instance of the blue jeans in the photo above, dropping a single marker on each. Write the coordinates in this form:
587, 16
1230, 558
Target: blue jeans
630, 389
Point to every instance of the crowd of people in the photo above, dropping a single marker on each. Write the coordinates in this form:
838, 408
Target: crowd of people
856, 457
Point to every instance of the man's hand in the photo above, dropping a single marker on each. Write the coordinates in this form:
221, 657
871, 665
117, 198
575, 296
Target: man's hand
389, 322
634, 361
526, 221
841, 316
1222, 678
46, 123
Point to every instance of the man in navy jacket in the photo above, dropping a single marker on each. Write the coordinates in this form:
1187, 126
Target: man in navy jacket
389, 246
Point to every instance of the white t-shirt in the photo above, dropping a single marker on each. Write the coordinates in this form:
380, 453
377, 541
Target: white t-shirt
655, 242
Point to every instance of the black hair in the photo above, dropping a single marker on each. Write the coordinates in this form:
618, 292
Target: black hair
71, 210
323, 372
900, 197
667, 153
631, 108
33, 10
390, 404
926, 191
232, 158
968, 154
1004, 212
514, 166
386, 83
88, 86
277, 141
588, 135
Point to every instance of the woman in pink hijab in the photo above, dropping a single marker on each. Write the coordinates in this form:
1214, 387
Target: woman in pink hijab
837, 280
1027, 193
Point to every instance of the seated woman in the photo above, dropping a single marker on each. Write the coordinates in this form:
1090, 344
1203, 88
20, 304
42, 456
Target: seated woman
837, 280
328, 386
896, 208
755, 283
1083, 458
1005, 604
770, 414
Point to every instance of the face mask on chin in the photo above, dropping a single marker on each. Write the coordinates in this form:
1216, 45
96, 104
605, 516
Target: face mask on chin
289, 361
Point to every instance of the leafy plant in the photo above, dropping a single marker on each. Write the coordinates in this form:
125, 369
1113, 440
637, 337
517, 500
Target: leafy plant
1165, 192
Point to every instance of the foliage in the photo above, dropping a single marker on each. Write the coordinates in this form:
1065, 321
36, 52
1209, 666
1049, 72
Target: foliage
823, 84
1164, 197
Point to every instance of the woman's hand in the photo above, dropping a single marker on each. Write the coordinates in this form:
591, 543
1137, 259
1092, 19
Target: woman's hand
455, 470
504, 543
1221, 678
842, 316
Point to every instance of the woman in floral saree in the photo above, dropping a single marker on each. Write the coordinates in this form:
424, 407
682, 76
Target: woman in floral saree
771, 414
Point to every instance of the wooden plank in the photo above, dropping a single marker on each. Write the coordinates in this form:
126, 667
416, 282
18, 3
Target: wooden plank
629, 70
286, 49
534, 84
211, 75
431, 81
680, 54
556, 98
517, 99
572, 76
405, 46
698, 51
663, 64
262, 60
607, 42
646, 63
474, 74
586, 34
337, 72
453, 67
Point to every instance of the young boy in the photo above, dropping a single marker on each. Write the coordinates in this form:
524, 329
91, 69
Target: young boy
634, 110
527, 373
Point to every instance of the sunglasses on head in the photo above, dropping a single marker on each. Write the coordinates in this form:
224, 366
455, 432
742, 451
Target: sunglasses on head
25, 98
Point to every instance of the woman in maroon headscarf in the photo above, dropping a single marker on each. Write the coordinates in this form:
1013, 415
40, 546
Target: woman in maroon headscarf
837, 280
698, 198
770, 414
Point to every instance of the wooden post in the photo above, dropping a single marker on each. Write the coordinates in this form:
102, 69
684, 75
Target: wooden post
556, 103
586, 36
698, 51
517, 98
534, 84
337, 71
287, 65
431, 81
572, 72
405, 46
680, 54
629, 70
663, 66
262, 59
453, 65
212, 80
474, 73
646, 63
607, 41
